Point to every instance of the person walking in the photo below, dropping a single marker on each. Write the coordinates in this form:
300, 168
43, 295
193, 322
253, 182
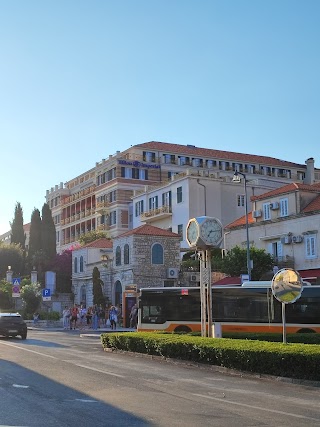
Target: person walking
113, 316
66, 317
134, 316
74, 317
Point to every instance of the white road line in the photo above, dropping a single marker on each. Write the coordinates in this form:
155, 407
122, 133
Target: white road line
27, 349
100, 370
20, 386
274, 411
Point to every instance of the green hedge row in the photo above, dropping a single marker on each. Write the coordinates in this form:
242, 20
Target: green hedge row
299, 361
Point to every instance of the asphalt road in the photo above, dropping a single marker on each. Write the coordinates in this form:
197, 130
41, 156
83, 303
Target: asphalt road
61, 379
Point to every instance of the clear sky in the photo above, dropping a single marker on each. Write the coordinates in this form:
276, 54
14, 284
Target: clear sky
80, 80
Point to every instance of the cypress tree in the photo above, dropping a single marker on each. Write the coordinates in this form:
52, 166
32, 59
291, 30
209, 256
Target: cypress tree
18, 235
98, 297
35, 241
48, 233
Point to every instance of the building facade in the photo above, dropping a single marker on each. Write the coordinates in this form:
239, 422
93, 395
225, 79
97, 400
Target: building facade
101, 198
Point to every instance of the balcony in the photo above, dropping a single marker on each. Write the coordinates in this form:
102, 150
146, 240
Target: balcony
102, 207
155, 214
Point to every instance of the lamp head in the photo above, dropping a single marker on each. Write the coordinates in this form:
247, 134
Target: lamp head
236, 178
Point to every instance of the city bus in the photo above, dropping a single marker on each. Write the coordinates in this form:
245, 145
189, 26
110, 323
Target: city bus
248, 308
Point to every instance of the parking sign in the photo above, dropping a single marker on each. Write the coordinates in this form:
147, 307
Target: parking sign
46, 295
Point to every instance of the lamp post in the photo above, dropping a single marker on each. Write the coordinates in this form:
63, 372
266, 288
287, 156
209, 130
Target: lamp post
236, 178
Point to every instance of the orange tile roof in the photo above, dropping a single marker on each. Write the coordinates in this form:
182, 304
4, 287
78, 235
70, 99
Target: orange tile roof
312, 206
102, 243
219, 154
149, 230
288, 188
241, 221
26, 227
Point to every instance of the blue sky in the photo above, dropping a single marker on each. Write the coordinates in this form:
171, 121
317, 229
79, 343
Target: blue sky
80, 80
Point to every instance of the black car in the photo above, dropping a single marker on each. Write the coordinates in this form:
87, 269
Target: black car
12, 325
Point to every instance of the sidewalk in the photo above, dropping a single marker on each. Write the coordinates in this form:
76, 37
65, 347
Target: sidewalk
85, 332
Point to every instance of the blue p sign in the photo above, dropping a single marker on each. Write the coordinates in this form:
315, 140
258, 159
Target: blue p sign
46, 293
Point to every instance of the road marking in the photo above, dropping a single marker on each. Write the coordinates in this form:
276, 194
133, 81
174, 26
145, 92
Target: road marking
87, 400
20, 386
27, 349
274, 411
100, 370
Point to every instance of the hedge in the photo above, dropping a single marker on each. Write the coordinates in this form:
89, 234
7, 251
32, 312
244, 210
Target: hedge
299, 361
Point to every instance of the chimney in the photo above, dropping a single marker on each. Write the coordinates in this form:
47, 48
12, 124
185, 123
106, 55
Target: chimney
309, 178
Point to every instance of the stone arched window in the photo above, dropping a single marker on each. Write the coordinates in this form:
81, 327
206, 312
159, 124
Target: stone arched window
118, 255
81, 264
126, 258
75, 265
118, 293
157, 254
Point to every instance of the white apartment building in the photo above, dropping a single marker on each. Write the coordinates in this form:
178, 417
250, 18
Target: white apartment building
286, 223
101, 198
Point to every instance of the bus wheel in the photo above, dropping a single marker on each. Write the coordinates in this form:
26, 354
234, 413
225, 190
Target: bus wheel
182, 329
305, 331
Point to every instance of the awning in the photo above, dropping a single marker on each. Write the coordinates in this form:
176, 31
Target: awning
310, 275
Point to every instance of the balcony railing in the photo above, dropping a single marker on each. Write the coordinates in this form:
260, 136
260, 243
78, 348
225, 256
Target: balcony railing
163, 211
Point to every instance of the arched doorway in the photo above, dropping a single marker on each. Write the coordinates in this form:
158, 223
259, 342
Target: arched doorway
118, 293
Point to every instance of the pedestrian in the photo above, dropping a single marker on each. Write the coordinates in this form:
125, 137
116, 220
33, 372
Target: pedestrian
134, 316
101, 315
113, 316
36, 317
66, 317
74, 317
95, 317
83, 319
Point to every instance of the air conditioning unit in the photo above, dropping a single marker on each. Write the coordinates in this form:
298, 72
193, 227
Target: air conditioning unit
286, 240
297, 239
257, 214
195, 277
274, 206
172, 273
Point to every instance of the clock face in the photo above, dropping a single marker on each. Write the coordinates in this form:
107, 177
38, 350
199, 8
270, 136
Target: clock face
211, 232
192, 233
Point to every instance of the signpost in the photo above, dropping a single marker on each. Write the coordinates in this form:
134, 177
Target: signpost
286, 287
46, 295
16, 287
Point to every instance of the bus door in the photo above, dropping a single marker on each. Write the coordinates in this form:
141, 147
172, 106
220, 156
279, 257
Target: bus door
129, 300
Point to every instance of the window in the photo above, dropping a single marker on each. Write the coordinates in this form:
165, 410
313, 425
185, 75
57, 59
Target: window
284, 207
81, 264
118, 255
144, 174
126, 254
166, 199
135, 173
113, 218
113, 196
75, 265
169, 158
182, 160
157, 254
139, 208
153, 203
240, 200
266, 211
180, 230
126, 172
179, 195
149, 156
310, 245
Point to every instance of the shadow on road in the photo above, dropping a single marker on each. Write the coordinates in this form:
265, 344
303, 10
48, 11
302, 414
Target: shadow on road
31, 341
32, 400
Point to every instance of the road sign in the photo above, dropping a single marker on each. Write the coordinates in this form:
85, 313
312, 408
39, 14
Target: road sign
16, 287
46, 295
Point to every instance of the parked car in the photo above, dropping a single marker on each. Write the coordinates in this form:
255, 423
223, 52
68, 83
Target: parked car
12, 325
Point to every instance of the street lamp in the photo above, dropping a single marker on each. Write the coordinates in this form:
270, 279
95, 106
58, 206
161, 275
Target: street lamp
236, 178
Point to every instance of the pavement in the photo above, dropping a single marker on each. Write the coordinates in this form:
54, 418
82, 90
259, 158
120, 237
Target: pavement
88, 333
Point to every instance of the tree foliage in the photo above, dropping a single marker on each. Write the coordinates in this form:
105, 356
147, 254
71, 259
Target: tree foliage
31, 295
11, 255
35, 240
18, 235
6, 302
91, 236
48, 233
235, 262
98, 297
62, 265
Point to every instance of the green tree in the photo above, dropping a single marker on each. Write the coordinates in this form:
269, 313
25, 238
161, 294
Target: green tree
31, 295
98, 297
6, 302
91, 236
62, 265
18, 235
48, 233
235, 262
11, 255
35, 240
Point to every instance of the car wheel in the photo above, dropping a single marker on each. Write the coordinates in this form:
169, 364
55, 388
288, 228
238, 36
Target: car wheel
24, 336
